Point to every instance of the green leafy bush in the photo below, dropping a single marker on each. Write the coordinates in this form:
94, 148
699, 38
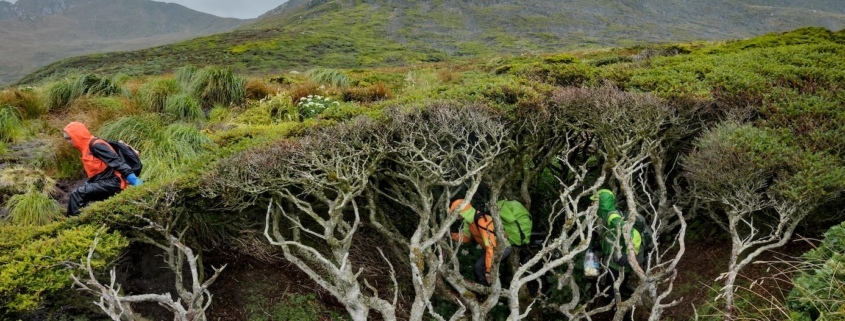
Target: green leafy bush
313, 105
33, 208
819, 292
38, 260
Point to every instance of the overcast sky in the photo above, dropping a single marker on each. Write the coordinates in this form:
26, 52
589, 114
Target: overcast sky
244, 9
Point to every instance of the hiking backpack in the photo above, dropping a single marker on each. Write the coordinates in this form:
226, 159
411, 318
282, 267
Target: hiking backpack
516, 222
646, 234
128, 154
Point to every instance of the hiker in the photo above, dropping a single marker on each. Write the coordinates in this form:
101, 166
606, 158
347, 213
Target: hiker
478, 226
612, 246
107, 173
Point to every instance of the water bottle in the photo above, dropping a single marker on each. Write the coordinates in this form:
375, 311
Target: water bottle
591, 265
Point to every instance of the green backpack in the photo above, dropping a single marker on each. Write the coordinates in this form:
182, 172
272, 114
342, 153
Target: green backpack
517, 222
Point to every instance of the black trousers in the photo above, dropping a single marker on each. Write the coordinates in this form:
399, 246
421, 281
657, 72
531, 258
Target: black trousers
481, 266
94, 191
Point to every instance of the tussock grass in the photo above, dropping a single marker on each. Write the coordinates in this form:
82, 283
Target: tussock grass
64, 161
33, 208
91, 84
20, 180
305, 90
184, 75
213, 85
166, 150
94, 111
329, 77
12, 128
26, 100
152, 95
184, 107
59, 94
258, 89
137, 131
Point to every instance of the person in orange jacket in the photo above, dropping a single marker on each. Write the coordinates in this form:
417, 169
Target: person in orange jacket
478, 226
107, 173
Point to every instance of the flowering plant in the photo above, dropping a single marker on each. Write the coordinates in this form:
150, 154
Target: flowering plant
314, 105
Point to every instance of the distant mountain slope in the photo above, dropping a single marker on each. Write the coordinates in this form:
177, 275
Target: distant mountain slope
34, 33
346, 33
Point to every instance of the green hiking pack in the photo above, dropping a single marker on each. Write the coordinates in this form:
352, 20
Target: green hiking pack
517, 222
646, 234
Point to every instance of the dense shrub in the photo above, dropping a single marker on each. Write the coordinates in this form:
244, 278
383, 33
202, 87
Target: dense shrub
819, 292
36, 260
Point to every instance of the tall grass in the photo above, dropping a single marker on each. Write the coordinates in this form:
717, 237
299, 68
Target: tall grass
258, 89
26, 100
184, 107
94, 111
64, 161
329, 77
12, 129
213, 85
166, 151
33, 208
184, 75
59, 94
152, 96
91, 84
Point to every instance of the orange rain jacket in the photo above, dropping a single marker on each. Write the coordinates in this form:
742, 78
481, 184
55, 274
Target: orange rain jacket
483, 232
81, 139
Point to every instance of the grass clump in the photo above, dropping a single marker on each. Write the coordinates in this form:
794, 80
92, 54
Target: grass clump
213, 86
33, 208
329, 77
59, 94
12, 129
376, 92
257, 89
152, 96
20, 180
94, 111
91, 84
184, 107
25, 100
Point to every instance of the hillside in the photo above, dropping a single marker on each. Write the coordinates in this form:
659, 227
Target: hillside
327, 194
340, 33
41, 32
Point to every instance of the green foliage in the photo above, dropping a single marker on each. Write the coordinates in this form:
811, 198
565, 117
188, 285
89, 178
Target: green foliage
343, 111
26, 100
184, 75
12, 129
59, 94
184, 107
213, 85
819, 292
33, 208
35, 259
153, 94
91, 84
292, 307
313, 105
561, 59
329, 77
